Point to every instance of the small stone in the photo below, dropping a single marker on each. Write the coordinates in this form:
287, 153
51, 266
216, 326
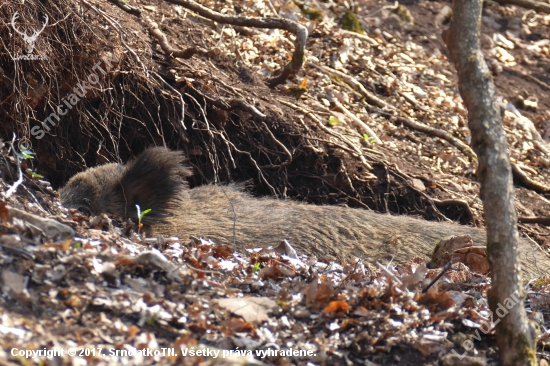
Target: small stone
417, 183
302, 313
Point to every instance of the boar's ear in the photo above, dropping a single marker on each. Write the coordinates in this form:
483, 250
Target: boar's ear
155, 180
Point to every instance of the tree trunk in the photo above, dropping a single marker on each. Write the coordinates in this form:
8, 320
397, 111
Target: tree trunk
515, 334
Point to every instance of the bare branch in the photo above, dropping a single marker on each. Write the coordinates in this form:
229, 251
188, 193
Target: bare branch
528, 182
297, 29
528, 4
541, 220
126, 7
170, 51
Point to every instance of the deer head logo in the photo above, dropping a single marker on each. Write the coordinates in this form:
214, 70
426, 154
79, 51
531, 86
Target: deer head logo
29, 40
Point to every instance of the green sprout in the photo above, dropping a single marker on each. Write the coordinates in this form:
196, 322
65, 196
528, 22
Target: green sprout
368, 139
25, 153
140, 216
256, 267
153, 320
32, 174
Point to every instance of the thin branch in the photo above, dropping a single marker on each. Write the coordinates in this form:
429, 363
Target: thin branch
528, 182
230, 104
528, 4
126, 7
460, 203
541, 220
372, 99
447, 267
362, 125
293, 27
180, 96
281, 145
172, 52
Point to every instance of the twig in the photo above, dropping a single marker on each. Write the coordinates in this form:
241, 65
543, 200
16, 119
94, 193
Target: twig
272, 7
374, 100
19, 180
528, 4
447, 267
127, 8
535, 246
369, 40
231, 104
181, 99
357, 121
457, 202
369, 97
528, 182
541, 220
230, 144
260, 174
406, 179
284, 163
465, 149
392, 7
211, 133
172, 52
357, 151
540, 83
389, 273
293, 27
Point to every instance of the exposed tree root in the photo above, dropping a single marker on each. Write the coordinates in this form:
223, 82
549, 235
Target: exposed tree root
395, 115
172, 52
528, 182
270, 23
528, 4
127, 7
460, 203
541, 220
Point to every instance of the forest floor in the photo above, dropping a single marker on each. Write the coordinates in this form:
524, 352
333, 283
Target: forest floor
101, 295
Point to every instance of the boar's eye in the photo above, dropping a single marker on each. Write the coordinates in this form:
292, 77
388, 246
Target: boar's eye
85, 207
85, 210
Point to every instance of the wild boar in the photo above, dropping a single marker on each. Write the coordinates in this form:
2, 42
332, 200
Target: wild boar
156, 180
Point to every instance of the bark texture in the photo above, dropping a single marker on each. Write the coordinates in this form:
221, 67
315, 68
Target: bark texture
515, 334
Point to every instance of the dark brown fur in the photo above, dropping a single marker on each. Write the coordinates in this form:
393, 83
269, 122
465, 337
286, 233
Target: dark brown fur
155, 179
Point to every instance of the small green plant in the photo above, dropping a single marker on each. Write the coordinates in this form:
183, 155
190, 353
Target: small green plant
25, 153
256, 267
368, 139
32, 174
333, 121
78, 245
153, 320
140, 216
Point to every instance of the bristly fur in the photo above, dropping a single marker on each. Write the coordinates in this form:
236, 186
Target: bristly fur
154, 180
